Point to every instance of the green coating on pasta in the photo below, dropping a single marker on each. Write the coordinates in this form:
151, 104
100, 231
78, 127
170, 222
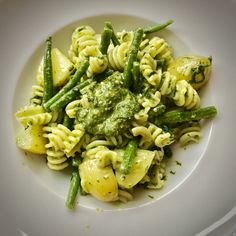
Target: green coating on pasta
69, 96
71, 83
173, 117
158, 27
132, 56
47, 72
114, 38
129, 155
105, 40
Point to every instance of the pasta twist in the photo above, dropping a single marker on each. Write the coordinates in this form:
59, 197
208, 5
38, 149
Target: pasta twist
146, 135
33, 115
117, 56
148, 69
85, 46
191, 134
186, 95
117, 141
57, 135
73, 140
180, 91
72, 107
97, 64
125, 36
157, 176
82, 37
56, 160
159, 136
152, 101
37, 95
124, 195
158, 48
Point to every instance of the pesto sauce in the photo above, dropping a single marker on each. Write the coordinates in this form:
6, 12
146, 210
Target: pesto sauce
111, 107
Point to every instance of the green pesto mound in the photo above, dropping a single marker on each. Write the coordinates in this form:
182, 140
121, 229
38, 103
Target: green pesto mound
109, 107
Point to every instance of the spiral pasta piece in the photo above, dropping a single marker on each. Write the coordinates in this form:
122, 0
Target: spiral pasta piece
191, 134
157, 176
82, 37
37, 95
33, 115
180, 91
125, 36
56, 135
158, 48
72, 107
146, 135
149, 71
73, 139
159, 136
186, 95
117, 141
97, 65
124, 195
56, 160
85, 46
117, 56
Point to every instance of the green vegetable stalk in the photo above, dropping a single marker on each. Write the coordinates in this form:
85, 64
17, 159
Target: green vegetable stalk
129, 155
70, 84
47, 72
173, 117
132, 56
114, 38
105, 40
156, 28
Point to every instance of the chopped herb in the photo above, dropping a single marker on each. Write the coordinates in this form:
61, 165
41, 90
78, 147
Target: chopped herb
178, 163
150, 196
172, 172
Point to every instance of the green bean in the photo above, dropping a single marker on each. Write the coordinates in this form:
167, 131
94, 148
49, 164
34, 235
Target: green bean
156, 28
136, 77
132, 56
73, 190
156, 111
70, 84
67, 121
114, 38
105, 40
69, 96
173, 117
100, 77
47, 72
129, 155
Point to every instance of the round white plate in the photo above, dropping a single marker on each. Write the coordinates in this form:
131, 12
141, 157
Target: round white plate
194, 200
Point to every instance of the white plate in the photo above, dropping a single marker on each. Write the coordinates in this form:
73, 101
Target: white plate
203, 189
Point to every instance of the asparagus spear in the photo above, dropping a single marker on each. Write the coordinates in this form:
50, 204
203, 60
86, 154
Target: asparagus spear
156, 28
129, 155
47, 72
71, 83
173, 117
132, 57
105, 40
114, 38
